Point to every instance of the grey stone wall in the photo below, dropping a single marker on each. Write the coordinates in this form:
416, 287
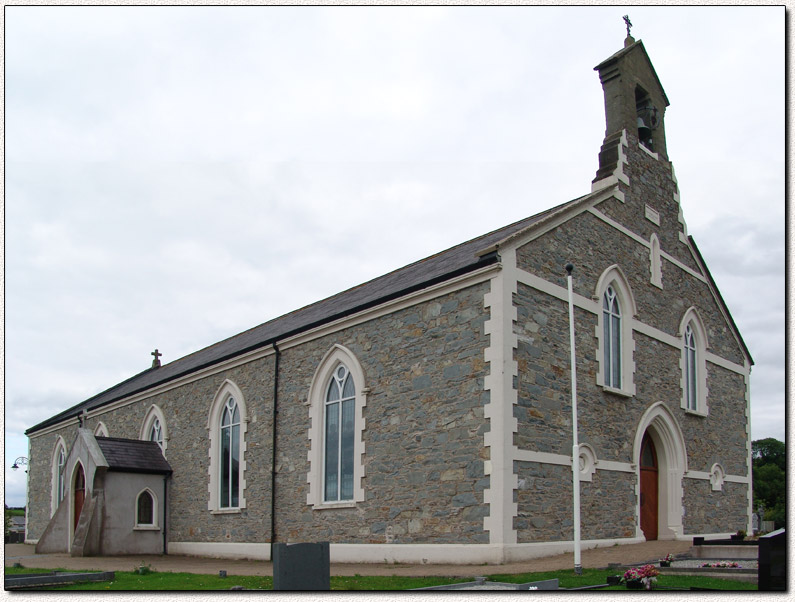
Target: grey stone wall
424, 452
545, 507
424, 432
40, 478
607, 421
186, 410
710, 511
721, 437
594, 246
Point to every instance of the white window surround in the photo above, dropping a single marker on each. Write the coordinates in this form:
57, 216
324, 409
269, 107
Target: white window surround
317, 397
58, 477
614, 277
655, 262
225, 391
153, 526
692, 319
101, 430
154, 413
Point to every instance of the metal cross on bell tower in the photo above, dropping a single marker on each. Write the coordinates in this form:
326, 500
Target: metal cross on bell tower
629, 24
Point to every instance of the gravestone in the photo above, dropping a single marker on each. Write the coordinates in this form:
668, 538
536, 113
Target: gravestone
772, 567
301, 567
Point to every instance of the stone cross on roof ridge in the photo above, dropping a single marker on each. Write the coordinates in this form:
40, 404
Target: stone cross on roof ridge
156, 361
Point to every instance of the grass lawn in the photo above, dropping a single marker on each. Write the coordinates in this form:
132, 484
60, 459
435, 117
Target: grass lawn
567, 579
157, 581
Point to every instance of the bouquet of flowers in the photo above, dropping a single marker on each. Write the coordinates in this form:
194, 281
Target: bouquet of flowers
646, 575
721, 565
667, 558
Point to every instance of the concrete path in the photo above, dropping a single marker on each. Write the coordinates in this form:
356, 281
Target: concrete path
597, 558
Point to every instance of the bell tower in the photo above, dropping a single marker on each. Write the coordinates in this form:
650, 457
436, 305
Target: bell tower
635, 103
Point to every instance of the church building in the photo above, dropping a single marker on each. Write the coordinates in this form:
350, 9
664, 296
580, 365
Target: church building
426, 415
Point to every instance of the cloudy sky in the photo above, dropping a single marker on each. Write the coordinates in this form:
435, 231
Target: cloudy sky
176, 175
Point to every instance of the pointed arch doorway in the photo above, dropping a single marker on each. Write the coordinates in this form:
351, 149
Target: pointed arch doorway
649, 489
80, 494
659, 451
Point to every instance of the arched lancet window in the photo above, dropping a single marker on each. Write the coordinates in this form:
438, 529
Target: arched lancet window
337, 397
58, 474
156, 432
145, 509
691, 369
693, 363
154, 428
226, 426
614, 333
230, 455
611, 322
338, 436
61, 479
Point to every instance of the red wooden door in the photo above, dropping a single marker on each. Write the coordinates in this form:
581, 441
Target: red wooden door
80, 493
648, 488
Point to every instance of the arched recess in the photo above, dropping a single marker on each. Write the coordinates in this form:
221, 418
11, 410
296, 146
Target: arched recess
655, 263
336, 356
587, 462
716, 477
228, 390
155, 418
669, 444
613, 278
58, 480
692, 319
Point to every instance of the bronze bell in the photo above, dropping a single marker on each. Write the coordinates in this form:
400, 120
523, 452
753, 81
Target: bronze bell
644, 132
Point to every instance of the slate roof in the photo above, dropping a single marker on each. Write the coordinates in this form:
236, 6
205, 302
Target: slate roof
132, 455
456, 261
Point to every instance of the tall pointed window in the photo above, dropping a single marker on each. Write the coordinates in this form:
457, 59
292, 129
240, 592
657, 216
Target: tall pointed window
611, 323
61, 474
691, 369
145, 509
693, 363
156, 432
614, 333
58, 474
226, 428
230, 455
154, 428
337, 398
338, 436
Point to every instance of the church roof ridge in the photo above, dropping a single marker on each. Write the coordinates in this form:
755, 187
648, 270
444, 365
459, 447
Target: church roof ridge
439, 267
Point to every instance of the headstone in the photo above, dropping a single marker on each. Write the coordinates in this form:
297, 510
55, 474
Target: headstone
301, 567
772, 566
755, 522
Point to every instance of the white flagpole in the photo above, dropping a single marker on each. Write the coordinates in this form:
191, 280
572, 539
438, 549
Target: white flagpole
575, 446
